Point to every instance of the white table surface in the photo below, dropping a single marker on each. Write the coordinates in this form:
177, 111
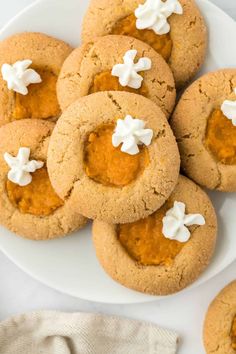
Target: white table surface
183, 313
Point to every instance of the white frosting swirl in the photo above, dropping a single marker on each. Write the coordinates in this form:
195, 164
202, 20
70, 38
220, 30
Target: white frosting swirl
153, 14
128, 72
176, 221
21, 167
130, 133
228, 108
18, 76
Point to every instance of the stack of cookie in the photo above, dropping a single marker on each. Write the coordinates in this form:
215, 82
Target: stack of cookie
112, 156
30, 64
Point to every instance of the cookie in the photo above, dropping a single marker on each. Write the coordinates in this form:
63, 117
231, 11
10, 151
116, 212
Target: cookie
114, 155
206, 137
104, 65
220, 323
30, 64
156, 255
29, 206
181, 38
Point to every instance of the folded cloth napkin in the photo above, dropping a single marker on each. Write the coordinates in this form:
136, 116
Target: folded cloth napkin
50, 332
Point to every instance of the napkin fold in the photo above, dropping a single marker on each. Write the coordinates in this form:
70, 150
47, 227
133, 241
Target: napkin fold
49, 332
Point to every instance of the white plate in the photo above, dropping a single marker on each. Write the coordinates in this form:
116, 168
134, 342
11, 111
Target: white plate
69, 265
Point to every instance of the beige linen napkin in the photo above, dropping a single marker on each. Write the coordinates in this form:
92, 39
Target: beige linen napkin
50, 332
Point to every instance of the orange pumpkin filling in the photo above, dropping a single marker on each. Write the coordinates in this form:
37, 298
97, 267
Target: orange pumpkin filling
161, 43
41, 100
221, 138
145, 243
37, 198
108, 165
233, 334
106, 82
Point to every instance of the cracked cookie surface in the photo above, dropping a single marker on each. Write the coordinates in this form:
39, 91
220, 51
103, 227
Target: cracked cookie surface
205, 140
33, 211
219, 327
47, 55
131, 202
156, 267
188, 36
88, 69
